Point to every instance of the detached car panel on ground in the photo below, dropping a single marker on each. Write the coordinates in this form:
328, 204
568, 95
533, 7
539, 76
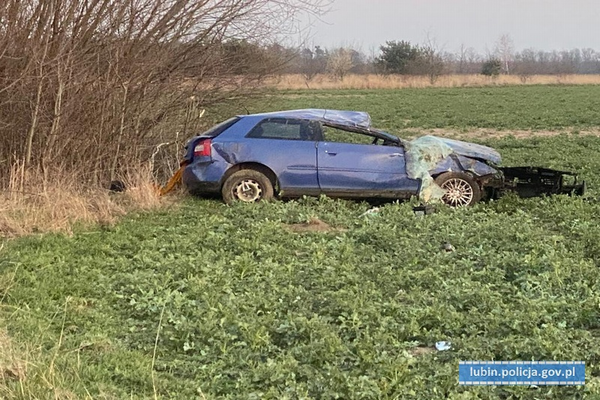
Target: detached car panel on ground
338, 153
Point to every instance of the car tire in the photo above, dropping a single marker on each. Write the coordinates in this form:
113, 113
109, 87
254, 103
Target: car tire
248, 186
461, 189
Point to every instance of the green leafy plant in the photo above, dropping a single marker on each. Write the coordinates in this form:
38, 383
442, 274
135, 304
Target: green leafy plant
213, 301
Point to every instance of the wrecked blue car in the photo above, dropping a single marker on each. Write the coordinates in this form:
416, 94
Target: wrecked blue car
337, 153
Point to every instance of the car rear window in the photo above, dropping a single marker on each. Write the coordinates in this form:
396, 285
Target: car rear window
220, 128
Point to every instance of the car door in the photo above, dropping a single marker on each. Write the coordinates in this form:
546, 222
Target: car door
361, 169
289, 148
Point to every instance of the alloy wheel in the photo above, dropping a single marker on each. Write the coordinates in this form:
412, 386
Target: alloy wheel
459, 192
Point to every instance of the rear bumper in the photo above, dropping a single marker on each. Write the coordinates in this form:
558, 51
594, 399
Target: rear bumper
203, 178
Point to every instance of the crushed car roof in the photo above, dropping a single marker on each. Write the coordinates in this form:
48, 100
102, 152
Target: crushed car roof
353, 121
343, 118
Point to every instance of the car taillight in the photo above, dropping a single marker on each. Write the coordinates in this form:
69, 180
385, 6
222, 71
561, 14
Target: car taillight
202, 148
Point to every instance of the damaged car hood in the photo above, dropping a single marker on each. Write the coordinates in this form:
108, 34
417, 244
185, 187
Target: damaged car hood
471, 150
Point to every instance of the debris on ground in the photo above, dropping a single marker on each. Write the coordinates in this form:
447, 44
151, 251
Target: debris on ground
117, 186
313, 225
447, 247
371, 212
423, 209
443, 346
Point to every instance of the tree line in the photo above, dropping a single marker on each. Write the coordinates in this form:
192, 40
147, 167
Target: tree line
405, 58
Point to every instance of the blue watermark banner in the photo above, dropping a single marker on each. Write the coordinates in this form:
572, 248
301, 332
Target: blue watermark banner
568, 373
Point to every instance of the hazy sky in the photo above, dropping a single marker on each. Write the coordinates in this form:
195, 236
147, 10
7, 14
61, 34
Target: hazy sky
539, 24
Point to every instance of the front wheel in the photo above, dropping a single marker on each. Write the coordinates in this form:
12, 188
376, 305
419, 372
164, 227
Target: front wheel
461, 189
248, 186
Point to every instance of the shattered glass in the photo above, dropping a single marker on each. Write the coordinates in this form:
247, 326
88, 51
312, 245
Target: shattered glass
422, 155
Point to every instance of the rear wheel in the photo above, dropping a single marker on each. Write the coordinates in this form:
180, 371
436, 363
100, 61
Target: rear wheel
461, 189
248, 186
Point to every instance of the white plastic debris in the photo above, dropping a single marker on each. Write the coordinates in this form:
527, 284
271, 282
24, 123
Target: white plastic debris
371, 212
443, 346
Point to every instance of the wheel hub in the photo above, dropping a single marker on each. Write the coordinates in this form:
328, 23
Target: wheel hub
458, 192
248, 190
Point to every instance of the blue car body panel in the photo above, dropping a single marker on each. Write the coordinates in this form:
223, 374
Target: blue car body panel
316, 166
294, 164
348, 168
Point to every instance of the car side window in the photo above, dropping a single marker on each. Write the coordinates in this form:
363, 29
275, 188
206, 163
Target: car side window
286, 129
332, 134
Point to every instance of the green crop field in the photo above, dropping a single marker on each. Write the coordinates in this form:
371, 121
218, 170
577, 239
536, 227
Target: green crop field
512, 107
210, 301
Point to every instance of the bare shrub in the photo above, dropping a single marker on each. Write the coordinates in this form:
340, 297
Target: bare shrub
340, 63
91, 86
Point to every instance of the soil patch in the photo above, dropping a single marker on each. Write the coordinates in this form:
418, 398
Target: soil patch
313, 225
421, 351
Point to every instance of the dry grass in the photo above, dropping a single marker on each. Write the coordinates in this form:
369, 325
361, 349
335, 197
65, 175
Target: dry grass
58, 201
12, 367
295, 82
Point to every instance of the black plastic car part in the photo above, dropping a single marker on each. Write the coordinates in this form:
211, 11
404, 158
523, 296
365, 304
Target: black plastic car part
538, 181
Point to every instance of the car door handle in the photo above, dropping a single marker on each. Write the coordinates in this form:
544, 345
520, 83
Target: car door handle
330, 153
396, 155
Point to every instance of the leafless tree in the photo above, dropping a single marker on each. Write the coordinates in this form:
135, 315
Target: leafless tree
432, 59
467, 61
590, 61
340, 62
505, 52
461, 67
525, 64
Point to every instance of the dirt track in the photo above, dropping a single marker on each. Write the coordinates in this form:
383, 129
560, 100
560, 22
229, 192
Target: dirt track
483, 133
